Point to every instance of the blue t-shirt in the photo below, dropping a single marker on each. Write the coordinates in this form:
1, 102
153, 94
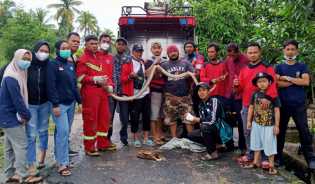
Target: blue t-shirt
293, 95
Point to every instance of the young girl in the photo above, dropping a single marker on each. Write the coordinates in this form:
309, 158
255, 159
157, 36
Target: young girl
263, 122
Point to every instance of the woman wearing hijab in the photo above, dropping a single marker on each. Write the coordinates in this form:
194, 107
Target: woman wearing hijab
14, 115
38, 105
62, 93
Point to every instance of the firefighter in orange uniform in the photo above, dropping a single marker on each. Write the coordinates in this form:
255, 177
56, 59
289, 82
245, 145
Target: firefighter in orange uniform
94, 72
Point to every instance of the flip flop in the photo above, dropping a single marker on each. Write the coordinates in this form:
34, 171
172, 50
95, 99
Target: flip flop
272, 171
208, 157
13, 179
65, 171
250, 166
41, 166
33, 179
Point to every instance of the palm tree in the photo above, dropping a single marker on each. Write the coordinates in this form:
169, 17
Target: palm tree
107, 31
65, 14
41, 14
87, 23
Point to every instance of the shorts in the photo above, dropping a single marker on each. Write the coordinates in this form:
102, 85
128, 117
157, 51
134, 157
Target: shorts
263, 138
175, 108
156, 105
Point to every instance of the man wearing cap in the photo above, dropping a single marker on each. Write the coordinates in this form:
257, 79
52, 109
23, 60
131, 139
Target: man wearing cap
177, 99
140, 106
210, 111
156, 89
95, 77
123, 76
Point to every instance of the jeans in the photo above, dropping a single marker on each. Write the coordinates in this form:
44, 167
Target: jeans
124, 118
15, 145
61, 136
299, 116
37, 126
71, 116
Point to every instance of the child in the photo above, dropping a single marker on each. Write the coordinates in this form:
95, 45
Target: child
263, 122
210, 116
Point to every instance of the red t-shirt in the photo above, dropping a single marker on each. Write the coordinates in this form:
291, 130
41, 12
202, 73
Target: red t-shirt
234, 66
213, 71
247, 88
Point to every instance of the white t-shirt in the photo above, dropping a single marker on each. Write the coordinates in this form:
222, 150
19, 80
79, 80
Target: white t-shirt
136, 67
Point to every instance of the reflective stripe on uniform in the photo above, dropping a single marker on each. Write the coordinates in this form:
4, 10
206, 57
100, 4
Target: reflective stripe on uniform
80, 78
101, 134
89, 137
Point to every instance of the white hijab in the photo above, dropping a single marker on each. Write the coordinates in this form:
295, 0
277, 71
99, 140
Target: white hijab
14, 71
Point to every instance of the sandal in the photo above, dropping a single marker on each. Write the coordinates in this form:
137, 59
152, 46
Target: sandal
33, 179
265, 165
13, 179
65, 171
208, 157
159, 142
272, 171
137, 144
148, 142
250, 166
41, 166
93, 153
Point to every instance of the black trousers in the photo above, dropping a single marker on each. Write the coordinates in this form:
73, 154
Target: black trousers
207, 135
235, 107
140, 107
299, 115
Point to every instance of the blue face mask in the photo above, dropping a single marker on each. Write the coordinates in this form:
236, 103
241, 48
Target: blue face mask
23, 64
65, 54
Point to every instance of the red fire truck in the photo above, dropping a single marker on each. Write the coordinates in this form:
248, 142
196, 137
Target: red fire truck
168, 25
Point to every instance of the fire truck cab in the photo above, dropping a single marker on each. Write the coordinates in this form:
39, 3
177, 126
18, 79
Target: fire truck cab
151, 23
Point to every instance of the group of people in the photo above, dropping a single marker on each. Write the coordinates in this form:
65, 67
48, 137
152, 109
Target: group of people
242, 90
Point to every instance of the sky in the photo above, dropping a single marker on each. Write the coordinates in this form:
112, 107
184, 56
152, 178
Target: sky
107, 12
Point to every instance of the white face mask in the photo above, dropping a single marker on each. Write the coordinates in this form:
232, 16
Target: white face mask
290, 58
42, 56
105, 46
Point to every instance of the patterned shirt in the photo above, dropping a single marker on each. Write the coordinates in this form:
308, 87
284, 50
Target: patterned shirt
264, 117
119, 59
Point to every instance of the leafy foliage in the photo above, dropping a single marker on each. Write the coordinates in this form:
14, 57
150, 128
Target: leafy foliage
269, 22
22, 31
87, 23
65, 15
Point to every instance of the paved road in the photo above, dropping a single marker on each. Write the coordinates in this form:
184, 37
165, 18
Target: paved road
180, 167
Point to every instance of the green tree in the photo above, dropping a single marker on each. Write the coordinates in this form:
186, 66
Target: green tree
22, 31
87, 23
66, 10
107, 31
6, 11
